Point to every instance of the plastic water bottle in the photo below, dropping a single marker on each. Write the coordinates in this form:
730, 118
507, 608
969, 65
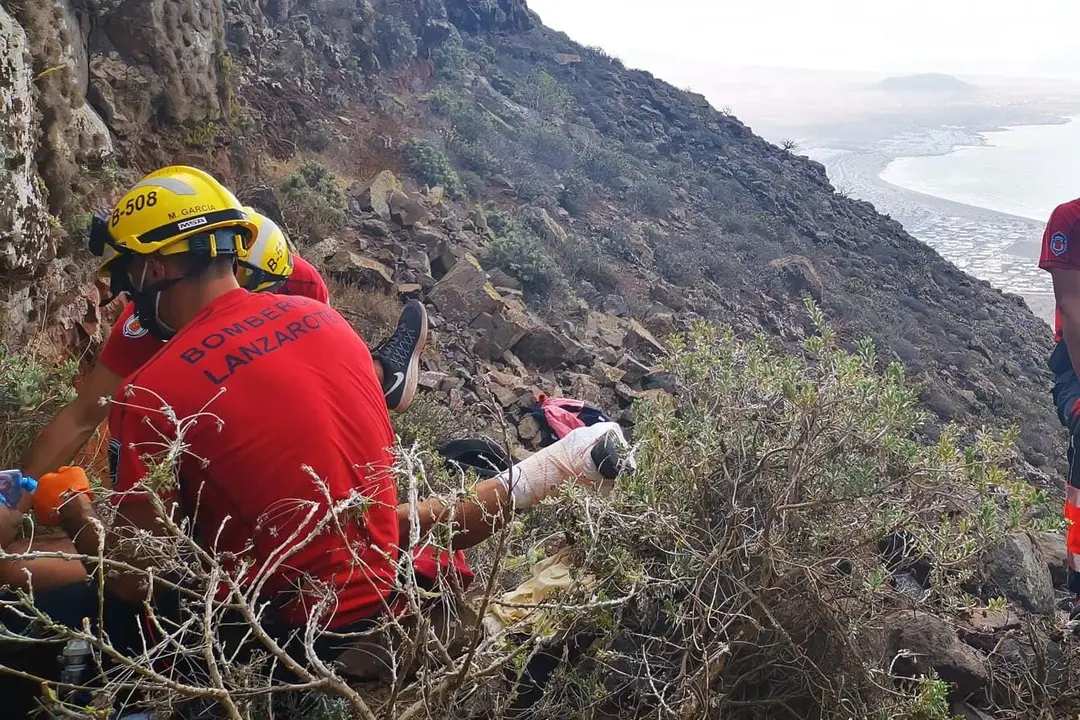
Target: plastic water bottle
74, 660
12, 486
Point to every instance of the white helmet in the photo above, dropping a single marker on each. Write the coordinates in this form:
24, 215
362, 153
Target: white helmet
268, 263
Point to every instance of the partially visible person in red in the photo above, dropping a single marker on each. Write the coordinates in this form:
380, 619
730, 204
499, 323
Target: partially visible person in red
1060, 256
252, 488
241, 363
129, 345
267, 413
268, 265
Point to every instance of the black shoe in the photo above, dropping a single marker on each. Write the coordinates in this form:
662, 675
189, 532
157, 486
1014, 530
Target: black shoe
611, 456
400, 356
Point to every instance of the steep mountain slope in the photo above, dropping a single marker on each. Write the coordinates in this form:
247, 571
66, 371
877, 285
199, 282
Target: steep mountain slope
603, 187
785, 547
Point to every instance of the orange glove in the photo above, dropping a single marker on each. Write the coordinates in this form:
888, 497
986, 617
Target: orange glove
51, 490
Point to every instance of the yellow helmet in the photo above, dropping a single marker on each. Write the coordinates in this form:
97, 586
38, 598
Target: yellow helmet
173, 210
267, 263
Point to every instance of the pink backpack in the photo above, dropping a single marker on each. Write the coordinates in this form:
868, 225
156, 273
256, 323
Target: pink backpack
558, 416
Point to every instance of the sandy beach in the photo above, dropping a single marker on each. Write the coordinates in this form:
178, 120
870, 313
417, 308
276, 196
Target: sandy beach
1001, 249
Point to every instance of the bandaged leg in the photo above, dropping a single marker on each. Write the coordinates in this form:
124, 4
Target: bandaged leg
593, 455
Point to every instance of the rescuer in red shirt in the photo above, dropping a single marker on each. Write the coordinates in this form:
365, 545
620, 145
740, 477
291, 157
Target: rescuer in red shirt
287, 390
267, 266
1061, 257
262, 407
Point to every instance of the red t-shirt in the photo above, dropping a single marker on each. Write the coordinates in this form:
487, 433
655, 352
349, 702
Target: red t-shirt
306, 281
130, 345
283, 388
1061, 246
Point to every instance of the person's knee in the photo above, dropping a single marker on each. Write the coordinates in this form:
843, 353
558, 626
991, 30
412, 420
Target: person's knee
1066, 394
1066, 389
1073, 582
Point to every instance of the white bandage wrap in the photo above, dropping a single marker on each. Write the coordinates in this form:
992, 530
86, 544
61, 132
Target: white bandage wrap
541, 474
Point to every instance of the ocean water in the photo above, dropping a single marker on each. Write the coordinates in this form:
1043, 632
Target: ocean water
1025, 171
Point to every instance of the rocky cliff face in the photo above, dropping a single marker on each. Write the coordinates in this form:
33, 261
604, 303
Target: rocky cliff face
501, 15
612, 201
25, 241
157, 61
22, 215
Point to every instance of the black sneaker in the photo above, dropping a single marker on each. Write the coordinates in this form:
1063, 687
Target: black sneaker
611, 456
400, 356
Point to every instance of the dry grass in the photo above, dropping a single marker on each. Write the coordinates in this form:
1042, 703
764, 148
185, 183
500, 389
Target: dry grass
370, 148
372, 313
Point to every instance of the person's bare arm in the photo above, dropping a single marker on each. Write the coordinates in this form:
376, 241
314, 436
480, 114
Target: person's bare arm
1067, 295
76, 516
475, 519
72, 426
44, 573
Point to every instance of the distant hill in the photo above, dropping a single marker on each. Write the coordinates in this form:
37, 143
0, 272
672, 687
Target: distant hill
924, 82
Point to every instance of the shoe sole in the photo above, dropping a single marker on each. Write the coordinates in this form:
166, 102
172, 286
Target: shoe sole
608, 455
412, 369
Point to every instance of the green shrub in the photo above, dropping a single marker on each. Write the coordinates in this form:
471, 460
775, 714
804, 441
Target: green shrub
550, 147
501, 222
598, 54
769, 226
78, 227
577, 194
546, 96
312, 202
311, 705
316, 135
533, 183
396, 44
482, 52
442, 102
469, 122
429, 422
503, 84
650, 196
31, 393
655, 236
430, 166
450, 56
762, 492
680, 266
475, 185
602, 164
203, 135
619, 239
528, 260
475, 158
581, 261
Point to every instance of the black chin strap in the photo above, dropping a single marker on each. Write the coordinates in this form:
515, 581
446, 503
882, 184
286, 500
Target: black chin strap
204, 248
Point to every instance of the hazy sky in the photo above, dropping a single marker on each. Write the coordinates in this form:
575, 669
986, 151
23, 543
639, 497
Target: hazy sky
995, 37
